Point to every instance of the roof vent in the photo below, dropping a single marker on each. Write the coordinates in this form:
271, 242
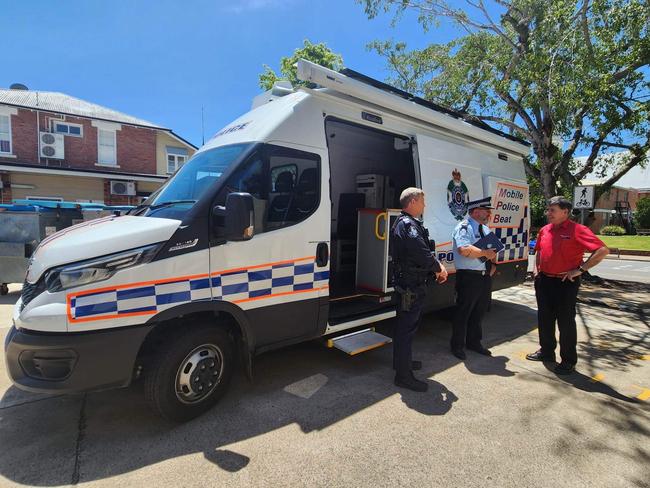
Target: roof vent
18, 86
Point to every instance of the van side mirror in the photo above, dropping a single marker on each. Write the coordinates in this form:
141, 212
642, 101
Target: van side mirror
236, 220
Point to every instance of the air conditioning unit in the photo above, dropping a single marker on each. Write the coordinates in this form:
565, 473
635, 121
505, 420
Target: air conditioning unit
51, 145
123, 188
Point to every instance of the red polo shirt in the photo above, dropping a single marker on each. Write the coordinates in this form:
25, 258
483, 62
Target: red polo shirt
561, 247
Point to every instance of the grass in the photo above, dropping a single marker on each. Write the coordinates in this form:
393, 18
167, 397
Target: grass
638, 243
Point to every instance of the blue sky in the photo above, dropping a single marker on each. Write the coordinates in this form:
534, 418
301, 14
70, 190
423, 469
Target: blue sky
163, 60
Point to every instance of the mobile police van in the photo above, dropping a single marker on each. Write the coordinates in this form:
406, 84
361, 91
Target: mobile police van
275, 232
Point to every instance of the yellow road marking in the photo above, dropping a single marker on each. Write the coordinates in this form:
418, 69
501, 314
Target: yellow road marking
645, 393
598, 377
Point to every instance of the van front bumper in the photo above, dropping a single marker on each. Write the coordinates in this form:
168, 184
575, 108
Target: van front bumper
72, 362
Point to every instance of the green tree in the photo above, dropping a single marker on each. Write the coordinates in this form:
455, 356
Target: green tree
566, 75
316, 53
642, 213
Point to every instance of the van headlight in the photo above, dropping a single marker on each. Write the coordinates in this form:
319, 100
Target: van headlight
84, 272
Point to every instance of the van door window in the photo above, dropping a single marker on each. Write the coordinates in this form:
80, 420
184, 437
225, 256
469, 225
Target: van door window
295, 187
285, 186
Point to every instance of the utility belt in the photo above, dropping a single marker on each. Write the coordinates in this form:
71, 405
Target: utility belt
473, 272
410, 272
407, 298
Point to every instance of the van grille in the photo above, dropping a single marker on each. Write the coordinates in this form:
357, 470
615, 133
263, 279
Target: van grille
31, 291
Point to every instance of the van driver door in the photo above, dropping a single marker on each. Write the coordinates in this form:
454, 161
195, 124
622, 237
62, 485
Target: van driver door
281, 275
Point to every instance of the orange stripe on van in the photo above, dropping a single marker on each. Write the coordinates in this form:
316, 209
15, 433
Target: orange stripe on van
173, 280
233, 270
279, 294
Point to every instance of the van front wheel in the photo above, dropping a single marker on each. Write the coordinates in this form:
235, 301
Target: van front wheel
190, 374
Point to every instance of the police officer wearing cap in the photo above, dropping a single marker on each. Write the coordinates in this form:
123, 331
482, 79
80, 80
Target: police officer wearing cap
474, 270
414, 261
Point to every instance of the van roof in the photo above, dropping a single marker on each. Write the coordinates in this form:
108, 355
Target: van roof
426, 103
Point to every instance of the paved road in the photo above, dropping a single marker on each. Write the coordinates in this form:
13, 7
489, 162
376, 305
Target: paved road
315, 417
617, 269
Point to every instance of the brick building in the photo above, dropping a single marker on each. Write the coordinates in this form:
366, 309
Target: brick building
57, 147
617, 206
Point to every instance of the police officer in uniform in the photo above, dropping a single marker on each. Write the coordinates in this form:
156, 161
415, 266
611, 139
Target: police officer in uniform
474, 270
413, 262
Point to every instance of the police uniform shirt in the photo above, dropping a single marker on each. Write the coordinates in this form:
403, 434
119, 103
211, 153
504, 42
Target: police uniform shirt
411, 244
467, 233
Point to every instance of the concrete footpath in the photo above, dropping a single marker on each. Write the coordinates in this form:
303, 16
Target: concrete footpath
315, 417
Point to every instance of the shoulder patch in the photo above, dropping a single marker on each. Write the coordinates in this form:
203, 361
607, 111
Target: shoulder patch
413, 231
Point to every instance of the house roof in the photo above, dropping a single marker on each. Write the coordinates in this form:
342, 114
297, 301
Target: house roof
637, 178
62, 103
65, 104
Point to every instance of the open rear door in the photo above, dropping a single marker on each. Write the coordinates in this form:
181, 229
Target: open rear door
449, 183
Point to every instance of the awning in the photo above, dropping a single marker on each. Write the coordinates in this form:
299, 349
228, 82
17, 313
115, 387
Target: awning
85, 173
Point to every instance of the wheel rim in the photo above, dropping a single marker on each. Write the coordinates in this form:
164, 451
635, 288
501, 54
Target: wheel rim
199, 373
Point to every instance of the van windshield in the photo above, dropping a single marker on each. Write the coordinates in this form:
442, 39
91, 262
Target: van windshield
192, 180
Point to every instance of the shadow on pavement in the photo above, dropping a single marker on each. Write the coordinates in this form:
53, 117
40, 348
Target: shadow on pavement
438, 400
585, 383
113, 432
494, 365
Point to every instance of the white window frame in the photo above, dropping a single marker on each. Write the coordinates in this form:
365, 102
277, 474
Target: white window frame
54, 122
99, 161
11, 145
176, 161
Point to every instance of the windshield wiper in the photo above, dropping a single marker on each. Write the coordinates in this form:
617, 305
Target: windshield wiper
169, 203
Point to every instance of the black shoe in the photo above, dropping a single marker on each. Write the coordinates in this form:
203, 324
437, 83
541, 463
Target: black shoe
481, 350
564, 368
538, 356
415, 365
459, 353
411, 384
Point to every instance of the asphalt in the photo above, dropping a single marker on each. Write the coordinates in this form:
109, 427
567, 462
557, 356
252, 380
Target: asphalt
315, 417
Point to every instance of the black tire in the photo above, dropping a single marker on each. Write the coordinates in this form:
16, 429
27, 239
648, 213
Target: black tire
4, 289
186, 364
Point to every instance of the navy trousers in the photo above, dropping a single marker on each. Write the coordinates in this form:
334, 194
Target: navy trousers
556, 302
472, 300
407, 326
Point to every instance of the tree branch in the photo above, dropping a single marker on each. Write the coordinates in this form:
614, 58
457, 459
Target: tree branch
499, 120
639, 153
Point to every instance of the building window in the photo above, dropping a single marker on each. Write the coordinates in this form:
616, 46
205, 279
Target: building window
174, 161
67, 129
176, 157
107, 147
5, 134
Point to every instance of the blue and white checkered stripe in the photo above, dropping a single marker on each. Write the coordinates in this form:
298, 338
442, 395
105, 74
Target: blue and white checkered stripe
273, 280
515, 240
234, 286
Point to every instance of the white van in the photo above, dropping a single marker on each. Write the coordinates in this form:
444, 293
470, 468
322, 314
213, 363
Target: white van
273, 233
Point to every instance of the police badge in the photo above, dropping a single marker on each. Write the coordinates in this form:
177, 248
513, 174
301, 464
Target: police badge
457, 196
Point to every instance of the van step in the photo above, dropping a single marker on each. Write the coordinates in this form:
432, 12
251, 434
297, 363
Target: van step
359, 341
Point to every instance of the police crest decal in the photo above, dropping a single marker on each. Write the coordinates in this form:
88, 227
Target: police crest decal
457, 196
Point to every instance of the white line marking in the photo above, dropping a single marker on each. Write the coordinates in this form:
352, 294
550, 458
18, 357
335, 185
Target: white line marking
308, 387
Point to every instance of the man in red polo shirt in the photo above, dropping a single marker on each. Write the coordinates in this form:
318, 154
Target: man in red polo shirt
558, 265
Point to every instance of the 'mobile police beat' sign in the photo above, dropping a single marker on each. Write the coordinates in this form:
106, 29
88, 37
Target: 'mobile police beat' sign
509, 201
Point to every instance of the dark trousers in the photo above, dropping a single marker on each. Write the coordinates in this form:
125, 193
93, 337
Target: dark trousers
472, 300
407, 326
556, 302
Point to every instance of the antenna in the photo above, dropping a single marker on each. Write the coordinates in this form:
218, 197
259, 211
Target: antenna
202, 128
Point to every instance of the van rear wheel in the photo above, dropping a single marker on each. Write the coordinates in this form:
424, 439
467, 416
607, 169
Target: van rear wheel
190, 374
